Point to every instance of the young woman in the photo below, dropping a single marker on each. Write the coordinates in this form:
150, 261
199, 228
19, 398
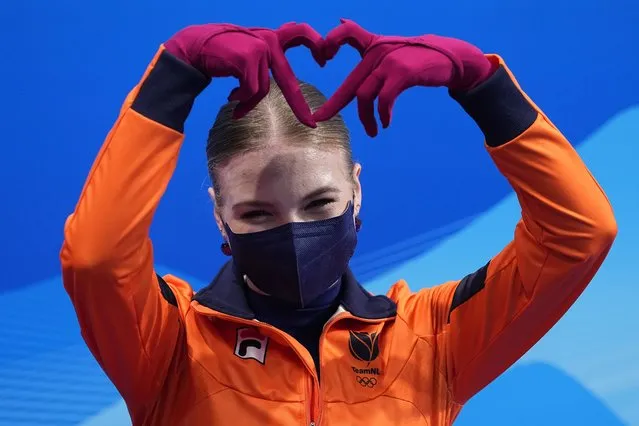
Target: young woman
285, 334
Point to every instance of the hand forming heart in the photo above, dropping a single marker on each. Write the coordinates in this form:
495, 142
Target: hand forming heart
226, 50
389, 65
392, 64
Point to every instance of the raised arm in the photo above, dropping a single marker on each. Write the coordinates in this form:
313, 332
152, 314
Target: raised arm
128, 314
491, 317
482, 324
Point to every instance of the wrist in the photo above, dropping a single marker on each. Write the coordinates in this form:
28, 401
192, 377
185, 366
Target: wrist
481, 70
492, 65
177, 49
167, 93
498, 107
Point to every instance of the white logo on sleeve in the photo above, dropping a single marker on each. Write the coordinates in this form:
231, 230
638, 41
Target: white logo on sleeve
251, 344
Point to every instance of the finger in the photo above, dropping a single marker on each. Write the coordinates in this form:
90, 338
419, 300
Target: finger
245, 70
249, 84
348, 32
286, 80
391, 89
233, 95
366, 95
245, 91
263, 87
293, 35
347, 90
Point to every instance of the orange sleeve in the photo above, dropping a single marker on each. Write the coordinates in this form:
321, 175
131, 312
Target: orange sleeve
127, 314
483, 323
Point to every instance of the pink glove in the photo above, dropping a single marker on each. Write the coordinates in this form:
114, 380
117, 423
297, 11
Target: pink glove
392, 64
225, 50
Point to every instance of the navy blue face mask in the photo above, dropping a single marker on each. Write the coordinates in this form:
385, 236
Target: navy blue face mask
299, 261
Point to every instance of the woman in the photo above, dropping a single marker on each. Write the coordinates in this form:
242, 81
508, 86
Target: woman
285, 334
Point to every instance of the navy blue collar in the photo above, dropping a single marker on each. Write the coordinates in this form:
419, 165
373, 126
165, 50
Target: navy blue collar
226, 294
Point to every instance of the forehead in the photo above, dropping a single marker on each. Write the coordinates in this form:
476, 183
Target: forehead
281, 170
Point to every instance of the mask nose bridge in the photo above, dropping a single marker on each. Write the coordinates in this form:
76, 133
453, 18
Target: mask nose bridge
293, 217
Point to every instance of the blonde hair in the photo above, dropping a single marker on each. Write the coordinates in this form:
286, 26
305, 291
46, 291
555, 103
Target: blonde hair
272, 117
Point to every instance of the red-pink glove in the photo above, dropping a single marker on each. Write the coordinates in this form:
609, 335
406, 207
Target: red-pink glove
226, 50
392, 64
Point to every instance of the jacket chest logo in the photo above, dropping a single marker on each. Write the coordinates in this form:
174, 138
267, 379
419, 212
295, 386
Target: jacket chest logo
251, 344
364, 347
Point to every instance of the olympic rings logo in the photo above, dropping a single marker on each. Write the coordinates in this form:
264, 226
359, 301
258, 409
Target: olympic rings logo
367, 382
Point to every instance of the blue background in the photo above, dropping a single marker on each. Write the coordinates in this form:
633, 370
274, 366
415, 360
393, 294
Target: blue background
434, 206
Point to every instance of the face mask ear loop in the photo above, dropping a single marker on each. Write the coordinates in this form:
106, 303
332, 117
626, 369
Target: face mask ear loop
358, 221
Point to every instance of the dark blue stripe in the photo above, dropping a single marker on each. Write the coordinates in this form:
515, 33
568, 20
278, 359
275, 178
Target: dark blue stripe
469, 286
498, 107
166, 291
167, 94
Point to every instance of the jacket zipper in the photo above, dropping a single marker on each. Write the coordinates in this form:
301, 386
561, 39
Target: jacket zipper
311, 397
316, 416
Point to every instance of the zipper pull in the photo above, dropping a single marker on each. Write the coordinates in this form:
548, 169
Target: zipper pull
312, 424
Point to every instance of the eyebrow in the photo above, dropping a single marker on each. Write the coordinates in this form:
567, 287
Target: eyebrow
324, 190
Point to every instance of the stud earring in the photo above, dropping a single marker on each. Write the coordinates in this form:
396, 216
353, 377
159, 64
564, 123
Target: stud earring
358, 223
226, 249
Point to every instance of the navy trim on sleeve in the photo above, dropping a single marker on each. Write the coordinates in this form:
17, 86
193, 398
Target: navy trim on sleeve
498, 107
469, 286
168, 92
166, 291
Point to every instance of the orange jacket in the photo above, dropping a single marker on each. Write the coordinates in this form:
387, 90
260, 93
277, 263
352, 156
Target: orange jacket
414, 358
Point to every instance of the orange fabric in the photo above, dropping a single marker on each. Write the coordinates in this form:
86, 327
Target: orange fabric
180, 365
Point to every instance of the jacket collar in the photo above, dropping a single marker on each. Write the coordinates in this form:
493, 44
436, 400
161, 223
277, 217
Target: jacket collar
225, 294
